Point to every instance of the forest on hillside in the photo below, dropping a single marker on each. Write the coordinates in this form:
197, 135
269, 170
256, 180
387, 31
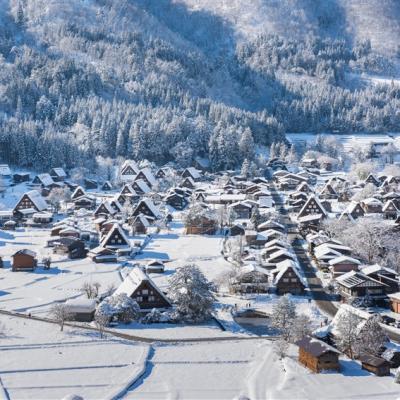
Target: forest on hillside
152, 80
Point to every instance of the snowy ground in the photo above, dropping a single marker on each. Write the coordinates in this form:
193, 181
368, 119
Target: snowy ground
227, 370
40, 362
35, 291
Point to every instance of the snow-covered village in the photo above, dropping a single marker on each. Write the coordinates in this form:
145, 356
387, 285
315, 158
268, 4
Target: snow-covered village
199, 199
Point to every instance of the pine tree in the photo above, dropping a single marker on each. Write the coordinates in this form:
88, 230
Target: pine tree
246, 145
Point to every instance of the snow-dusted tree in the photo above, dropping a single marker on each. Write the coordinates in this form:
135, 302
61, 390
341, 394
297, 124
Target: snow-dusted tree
346, 337
283, 316
367, 191
291, 157
58, 195
361, 170
91, 289
389, 152
105, 168
226, 279
233, 249
372, 337
324, 160
59, 313
335, 227
246, 145
280, 348
301, 327
120, 307
191, 293
245, 170
273, 151
255, 217
101, 320
391, 169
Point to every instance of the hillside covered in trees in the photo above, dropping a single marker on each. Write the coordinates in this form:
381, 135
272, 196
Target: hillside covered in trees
171, 80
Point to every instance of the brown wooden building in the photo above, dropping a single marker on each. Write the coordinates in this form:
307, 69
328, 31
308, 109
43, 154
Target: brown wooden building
140, 287
317, 355
376, 365
24, 260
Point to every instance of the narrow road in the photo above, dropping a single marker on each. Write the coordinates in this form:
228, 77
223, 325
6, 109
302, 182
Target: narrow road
322, 299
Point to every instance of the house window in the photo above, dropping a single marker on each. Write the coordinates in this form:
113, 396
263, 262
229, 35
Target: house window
145, 291
285, 280
294, 280
139, 298
152, 298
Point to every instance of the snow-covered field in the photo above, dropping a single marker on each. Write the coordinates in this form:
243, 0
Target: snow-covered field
249, 368
34, 291
39, 362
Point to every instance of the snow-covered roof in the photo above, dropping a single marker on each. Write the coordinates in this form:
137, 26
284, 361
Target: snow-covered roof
5, 170
81, 305
150, 205
107, 206
149, 175
143, 186
390, 203
132, 282
318, 202
195, 174
129, 163
372, 201
371, 269
59, 172
115, 227
354, 278
37, 199
279, 253
45, 179
344, 259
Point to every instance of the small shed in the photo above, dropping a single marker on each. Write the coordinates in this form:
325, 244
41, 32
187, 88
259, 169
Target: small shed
81, 310
377, 365
317, 355
24, 260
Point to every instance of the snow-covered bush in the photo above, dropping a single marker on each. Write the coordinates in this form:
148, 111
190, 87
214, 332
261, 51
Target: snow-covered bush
156, 316
191, 293
120, 307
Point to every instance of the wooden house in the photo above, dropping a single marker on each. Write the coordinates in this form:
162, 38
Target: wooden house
356, 284
42, 218
102, 255
372, 179
129, 170
155, 267
105, 209
191, 173
147, 207
116, 239
140, 287
44, 180
251, 279
141, 187
5, 171
140, 224
146, 175
176, 200
372, 205
395, 302
390, 210
237, 230
74, 248
317, 355
106, 186
343, 264
242, 209
328, 192
31, 200
86, 202
202, 224
90, 183
78, 192
377, 365
20, 177
303, 187
188, 182
24, 260
312, 206
81, 310
286, 278
354, 211
58, 174
383, 274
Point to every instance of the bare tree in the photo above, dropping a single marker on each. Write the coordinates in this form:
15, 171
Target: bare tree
301, 327
91, 290
59, 313
280, 348
372, 337
101, 320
